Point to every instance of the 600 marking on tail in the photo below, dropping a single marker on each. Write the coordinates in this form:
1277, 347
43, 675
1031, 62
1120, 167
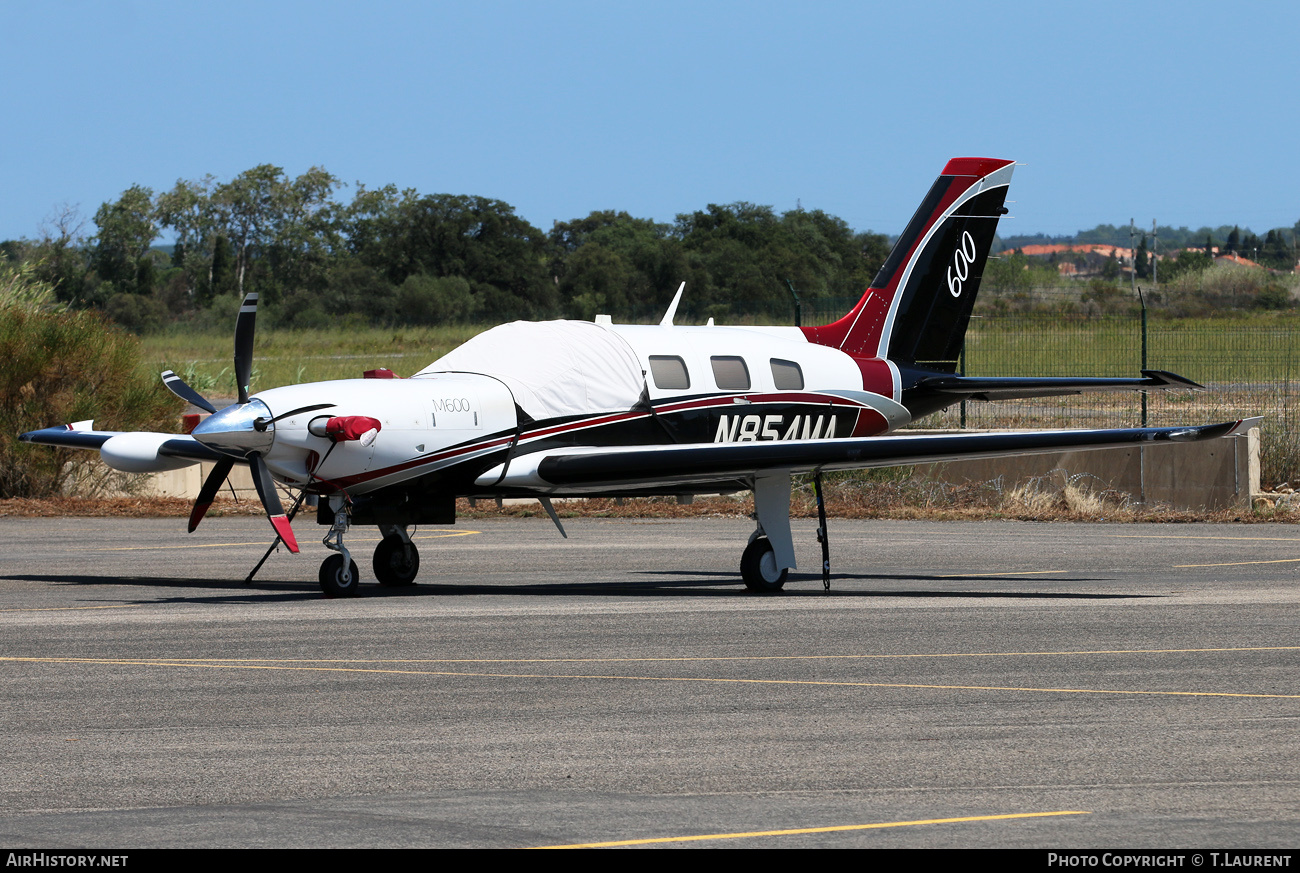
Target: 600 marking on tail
961, 262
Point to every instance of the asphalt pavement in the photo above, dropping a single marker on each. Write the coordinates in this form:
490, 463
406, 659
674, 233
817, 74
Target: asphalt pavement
961, 685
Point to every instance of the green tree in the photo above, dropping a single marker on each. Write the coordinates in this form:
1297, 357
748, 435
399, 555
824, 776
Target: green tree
126, 231
596, 281
198, 222
504, 258
249, 203
59, 257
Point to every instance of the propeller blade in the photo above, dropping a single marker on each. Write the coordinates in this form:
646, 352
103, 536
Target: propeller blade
271, 500
176, 385
244, 344
208, 492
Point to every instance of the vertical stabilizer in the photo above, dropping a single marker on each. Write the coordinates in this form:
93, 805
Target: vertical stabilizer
916, 310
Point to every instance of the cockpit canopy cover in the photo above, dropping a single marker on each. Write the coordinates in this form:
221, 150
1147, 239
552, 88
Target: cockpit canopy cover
553, 368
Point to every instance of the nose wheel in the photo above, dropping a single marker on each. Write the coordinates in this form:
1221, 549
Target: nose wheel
334, 581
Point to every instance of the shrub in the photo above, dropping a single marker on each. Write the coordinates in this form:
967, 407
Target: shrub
58, 367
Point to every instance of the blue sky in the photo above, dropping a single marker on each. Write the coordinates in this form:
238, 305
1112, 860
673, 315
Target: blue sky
1142, 110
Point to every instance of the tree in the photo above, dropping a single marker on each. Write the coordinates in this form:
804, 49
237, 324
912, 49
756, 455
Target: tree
249, 202
305, 229
59, 257
126, 230
190, 210
596, 281
504, 258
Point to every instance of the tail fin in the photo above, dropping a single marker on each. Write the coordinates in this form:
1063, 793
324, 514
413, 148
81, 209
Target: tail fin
917, 308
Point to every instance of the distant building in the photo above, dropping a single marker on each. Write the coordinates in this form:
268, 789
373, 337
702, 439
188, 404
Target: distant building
1237, 261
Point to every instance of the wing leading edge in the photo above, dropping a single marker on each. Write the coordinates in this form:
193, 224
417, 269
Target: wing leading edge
615, 468
74, 437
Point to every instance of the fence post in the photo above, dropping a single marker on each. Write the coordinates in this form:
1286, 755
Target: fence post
961, 366
1143, 302
798, 304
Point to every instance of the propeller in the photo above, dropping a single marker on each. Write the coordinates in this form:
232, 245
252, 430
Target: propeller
208, 492
240, 430
176, 385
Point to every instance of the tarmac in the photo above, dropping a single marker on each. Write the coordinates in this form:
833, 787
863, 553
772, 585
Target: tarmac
969, 684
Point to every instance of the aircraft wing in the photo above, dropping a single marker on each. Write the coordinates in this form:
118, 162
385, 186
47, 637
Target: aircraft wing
581, 470
82, 435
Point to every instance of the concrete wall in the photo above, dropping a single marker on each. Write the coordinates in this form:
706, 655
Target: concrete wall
1213, 474
187, 481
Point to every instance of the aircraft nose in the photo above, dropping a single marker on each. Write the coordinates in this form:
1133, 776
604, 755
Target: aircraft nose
238, 429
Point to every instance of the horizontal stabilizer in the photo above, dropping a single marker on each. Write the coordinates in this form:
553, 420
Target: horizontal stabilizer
1014, 388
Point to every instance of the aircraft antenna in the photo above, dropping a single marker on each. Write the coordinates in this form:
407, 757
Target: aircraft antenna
667, 320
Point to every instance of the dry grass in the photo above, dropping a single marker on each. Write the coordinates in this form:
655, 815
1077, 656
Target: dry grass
902, 496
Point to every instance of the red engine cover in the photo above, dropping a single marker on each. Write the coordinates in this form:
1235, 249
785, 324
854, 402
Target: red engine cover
343, 428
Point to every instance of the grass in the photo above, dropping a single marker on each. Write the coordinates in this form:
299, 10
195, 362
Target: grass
287, 357
1248, 362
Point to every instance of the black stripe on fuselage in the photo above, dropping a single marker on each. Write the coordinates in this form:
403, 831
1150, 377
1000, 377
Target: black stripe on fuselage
701, 419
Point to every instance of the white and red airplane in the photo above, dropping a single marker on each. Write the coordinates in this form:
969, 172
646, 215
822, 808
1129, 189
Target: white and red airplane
575, 408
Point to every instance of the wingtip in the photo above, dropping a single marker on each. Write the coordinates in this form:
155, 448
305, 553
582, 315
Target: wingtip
1246, 424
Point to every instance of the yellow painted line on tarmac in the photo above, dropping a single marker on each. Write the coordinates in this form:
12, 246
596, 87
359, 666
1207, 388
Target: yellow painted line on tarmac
1014, 573
620, 678
705, 659
432, 536
826, 830
1189, 537
1238, 563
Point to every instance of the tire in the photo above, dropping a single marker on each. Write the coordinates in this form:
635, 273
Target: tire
391, 565
758, 568
331, 578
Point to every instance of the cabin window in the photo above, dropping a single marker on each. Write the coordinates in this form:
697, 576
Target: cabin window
730, 372
669, 371
787, 375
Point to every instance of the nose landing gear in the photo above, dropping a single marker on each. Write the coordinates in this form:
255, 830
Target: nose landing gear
338, 573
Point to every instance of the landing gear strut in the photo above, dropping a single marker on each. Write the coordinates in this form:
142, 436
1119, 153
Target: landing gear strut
397, 561
823, 535
338, 573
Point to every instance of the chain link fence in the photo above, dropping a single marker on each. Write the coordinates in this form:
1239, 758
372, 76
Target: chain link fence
1247, 362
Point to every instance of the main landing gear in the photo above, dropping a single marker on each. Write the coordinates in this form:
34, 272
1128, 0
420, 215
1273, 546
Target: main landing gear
767, 560
396, 561
758, 566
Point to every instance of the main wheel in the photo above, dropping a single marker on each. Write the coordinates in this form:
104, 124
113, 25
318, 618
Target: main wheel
331, 577
394, 564
758, 568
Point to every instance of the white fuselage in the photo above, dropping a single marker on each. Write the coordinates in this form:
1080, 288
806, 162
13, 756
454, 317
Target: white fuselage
440, 419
